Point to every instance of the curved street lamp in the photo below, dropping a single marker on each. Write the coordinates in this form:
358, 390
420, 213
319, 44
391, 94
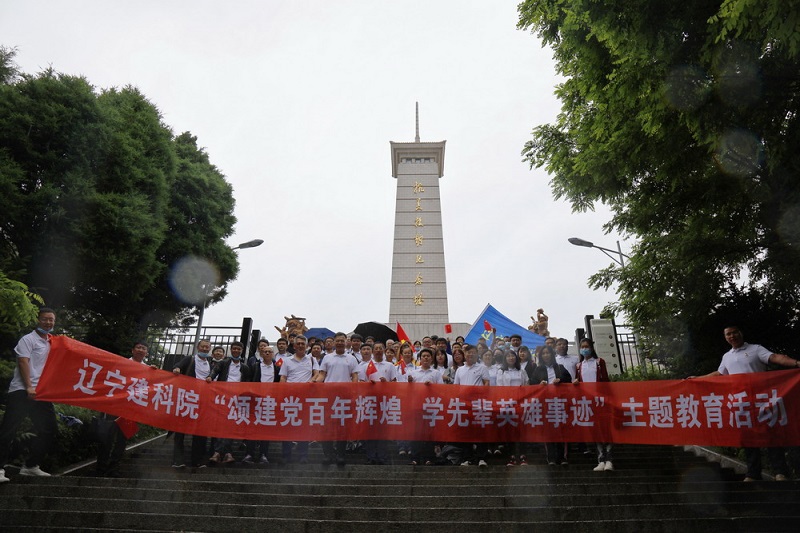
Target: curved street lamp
618, 256
242, 246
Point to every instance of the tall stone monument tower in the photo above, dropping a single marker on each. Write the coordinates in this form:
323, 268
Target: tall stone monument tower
419, 287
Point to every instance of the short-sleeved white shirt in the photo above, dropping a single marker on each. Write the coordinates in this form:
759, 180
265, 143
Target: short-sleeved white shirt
202, 367
570, 362
235, 372
745, 359
339, 368
385, 370
36, 349
298, 371
512, 377
431, 375
267, 371
471, 375
403, 378
362, 370
589, 369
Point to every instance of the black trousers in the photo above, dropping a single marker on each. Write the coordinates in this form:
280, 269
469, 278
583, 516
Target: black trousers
110, 447
777, 459
43, 417
198, 450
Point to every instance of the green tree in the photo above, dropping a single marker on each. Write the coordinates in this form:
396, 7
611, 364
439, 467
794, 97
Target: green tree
682, 118
91, 187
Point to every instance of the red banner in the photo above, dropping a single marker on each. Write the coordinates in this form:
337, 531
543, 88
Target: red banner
743, 410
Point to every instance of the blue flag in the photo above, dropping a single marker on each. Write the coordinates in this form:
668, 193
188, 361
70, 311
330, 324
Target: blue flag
504, 326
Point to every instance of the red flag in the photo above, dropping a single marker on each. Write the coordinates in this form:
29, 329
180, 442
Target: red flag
487, 326
371, 369
401, 334
402, 365
279, 362
128, 427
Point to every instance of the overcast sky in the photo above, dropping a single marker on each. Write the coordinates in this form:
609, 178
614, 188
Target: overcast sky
296, 102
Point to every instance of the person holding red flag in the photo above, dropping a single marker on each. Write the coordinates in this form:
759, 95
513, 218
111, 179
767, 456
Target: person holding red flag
378, 370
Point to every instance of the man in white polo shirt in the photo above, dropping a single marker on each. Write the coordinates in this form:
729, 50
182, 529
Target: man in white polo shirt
337, 367
31, 351
377, 450
301, 368
745, 358
473, 373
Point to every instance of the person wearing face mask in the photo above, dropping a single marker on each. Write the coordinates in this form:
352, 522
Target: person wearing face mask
592, 369
231, 369
193, 366
31, 351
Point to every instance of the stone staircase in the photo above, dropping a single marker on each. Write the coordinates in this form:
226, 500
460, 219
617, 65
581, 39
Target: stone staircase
653, 488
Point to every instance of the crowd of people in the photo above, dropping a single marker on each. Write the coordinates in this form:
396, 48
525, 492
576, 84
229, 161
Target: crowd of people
342, 358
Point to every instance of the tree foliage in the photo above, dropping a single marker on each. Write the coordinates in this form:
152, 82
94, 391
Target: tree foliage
100, 201
682, 118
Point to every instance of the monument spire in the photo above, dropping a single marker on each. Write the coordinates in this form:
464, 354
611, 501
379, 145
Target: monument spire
416, 139
418, 297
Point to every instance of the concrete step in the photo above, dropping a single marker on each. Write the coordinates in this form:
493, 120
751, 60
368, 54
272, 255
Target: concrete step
660, 488
107, 521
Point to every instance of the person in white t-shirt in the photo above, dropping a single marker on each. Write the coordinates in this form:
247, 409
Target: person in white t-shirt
377, 451
512, 375
194, 366
365, 356
300, 368
570, 362
592, 369
744, 358
425, 373
32, 351
475, 374
282, 345
422, 452
337, 367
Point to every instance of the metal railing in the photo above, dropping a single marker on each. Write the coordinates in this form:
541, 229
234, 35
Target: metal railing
168, 344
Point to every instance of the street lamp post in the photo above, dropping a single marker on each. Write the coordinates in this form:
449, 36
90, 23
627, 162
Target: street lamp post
242, 246
618, 256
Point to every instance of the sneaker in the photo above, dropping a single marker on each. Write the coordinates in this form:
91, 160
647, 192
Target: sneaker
564, 462
551, 463
498, 451
263, 460
781, 477
248, 459
3, 478
178, 465
609, 465
33, 471
600, 467
214, 458
466, 463
228, 458
401, 452
523, 461
512, 461
482, 463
